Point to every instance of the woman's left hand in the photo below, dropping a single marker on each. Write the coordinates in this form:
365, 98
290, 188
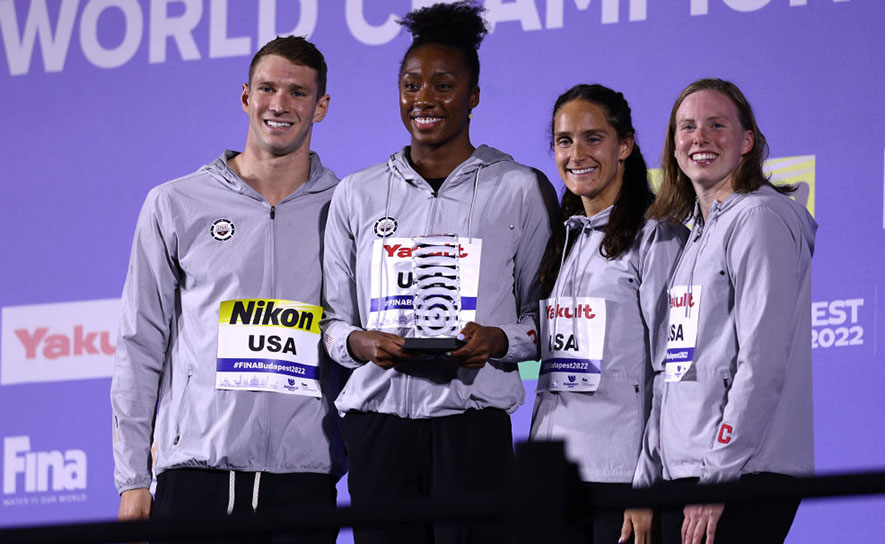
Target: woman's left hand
481, 344
701, 520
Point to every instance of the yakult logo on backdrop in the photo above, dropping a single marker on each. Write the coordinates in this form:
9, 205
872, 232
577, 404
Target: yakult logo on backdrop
57, 342
41, 477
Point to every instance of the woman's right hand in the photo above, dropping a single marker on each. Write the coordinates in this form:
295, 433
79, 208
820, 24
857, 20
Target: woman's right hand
382, 348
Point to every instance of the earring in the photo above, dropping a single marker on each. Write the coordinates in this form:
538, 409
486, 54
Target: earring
470, 115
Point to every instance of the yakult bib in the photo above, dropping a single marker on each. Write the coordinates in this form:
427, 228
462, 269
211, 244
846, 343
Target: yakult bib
572, 343
682, 334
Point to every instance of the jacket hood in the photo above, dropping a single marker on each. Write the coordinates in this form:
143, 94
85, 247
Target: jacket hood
481, 157
801, 215
320, 178
586, 224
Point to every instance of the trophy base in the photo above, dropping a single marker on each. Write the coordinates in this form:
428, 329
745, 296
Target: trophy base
433, 344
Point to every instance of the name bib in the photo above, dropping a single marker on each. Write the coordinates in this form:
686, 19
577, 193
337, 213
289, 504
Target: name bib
393, 286
269, 345
685, 309
572, 342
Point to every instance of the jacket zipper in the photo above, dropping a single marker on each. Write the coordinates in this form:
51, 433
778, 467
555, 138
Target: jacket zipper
273, 284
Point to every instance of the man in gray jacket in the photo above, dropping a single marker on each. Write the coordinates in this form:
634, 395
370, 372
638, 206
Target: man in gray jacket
219, 362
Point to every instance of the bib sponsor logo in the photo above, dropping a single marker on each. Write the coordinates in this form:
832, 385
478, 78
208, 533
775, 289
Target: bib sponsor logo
260, 312
405, 251
386, 226
38, 477
579, 311
222, 229
58, 342
685, 299
836, 323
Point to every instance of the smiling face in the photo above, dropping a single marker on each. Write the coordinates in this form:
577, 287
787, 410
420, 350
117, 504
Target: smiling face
709, 141
436, 95
282, 104
587, 151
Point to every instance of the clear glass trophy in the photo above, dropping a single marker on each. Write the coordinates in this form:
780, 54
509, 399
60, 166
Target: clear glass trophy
436, 290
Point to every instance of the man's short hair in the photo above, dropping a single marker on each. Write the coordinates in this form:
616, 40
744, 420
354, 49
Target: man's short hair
296, 50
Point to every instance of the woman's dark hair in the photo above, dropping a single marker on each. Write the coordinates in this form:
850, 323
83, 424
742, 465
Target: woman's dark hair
458, 25
635, 196
677, 196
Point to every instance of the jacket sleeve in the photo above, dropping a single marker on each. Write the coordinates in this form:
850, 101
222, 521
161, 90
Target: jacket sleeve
540, 211
762, 258
658, 260
340, 299
649, 467
148, 306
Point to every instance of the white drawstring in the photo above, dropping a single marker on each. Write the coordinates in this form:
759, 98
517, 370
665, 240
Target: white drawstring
580, 250
230, 492
570, 223
255, 485
382, 269
473, 203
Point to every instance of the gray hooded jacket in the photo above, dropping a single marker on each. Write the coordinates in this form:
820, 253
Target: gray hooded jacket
745, 406
603, 430
489, 196
166, 353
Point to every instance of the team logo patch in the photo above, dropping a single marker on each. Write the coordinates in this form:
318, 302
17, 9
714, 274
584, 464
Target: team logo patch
222, 229
385, 226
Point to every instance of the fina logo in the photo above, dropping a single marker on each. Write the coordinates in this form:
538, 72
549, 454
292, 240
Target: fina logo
222, 229
41, 471
571, 378
385, 226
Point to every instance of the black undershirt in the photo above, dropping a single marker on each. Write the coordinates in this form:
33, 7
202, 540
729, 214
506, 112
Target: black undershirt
435, 184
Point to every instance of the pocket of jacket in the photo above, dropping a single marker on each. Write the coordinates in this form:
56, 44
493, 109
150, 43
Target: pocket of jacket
180, 413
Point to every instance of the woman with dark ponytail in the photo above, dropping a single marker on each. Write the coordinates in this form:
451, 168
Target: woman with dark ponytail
603, 324
419, 423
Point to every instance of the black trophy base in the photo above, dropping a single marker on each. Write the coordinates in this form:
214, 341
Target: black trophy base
433, 345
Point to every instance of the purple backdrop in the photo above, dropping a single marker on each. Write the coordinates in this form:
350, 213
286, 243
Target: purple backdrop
103, 99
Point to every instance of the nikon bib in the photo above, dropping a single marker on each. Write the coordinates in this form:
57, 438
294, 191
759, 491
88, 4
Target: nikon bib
269, 345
